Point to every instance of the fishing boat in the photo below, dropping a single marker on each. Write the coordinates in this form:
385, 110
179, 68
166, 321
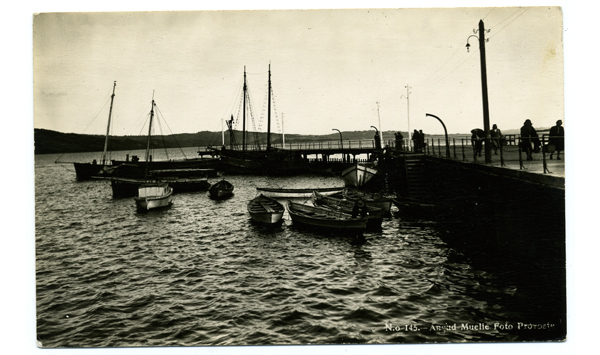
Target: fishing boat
293, 193
359, 174
87, 171
324, 218
375, 214
221, 189
266, 210
152, 196
258, 159
371, 199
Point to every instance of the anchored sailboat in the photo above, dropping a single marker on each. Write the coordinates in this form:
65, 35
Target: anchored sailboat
87, 171
260, 160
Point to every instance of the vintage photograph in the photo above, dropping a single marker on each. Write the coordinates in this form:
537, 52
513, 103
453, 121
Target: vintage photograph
299, 177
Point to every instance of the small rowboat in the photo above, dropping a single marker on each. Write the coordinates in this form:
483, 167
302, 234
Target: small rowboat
371, 199
324, 218
291, 193
417, 208
221, 189
359, 174
266, 210
151, 196
375, 214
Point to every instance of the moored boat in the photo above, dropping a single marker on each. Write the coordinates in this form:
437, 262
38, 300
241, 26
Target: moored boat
266, 210
221, 189
359, 174
371, 199
375, 214
300, 192
324, 218
417, 208
87, 171
152, 196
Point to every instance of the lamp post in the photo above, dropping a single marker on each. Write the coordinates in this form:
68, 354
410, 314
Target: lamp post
484, 93
341, 144
445, 133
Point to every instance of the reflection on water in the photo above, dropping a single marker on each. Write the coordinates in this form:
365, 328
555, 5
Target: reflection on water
201, 273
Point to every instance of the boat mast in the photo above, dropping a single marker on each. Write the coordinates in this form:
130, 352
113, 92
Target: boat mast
282, 133
149, 135
112, 97
269, 113
244, 113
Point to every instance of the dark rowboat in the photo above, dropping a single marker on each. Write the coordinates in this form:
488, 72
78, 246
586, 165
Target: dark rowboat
266, 210
221, 189
324, 218
371, 199
375, 214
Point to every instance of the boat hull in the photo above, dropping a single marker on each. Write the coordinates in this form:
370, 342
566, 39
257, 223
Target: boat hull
325, 219
296, 193
375, 214
123, 187
221, 189
89, 171
358, 175
263, 209
156, 196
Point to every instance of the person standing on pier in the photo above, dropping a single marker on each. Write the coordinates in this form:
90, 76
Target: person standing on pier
529, 139
477, 137
416, 140
399, 142
496, 135
557, 138
422, 143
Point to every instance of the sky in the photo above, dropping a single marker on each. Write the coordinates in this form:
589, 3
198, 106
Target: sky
342, 69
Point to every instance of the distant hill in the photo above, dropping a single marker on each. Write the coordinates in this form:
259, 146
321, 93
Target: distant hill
52, 142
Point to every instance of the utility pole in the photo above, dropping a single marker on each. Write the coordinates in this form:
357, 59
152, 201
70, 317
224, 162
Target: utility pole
484, 94
408, 111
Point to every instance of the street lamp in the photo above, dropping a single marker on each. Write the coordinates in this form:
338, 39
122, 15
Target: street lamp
484, 93
445, 133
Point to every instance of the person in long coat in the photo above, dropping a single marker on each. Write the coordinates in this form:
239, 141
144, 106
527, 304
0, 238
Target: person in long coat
496, 136
557, 138
477, 137
529, 139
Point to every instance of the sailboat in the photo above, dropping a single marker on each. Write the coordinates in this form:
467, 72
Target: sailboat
126, 179
152, 194
87, 171
260, 161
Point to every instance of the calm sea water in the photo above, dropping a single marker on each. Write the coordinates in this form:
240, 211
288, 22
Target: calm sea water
201, 273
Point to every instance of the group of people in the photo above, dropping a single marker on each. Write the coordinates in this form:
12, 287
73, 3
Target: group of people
478, 137
418, 139
529, 143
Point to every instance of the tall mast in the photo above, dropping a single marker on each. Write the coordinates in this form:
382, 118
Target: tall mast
112, 97
269, 113
282, 133
408, 111
244, 113
149, 134
379, 121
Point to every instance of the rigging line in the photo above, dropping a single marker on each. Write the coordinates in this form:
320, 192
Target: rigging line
513, 20
440, 68
95, 117
508, 17
450, 72
162, 135
484, 17
170, 131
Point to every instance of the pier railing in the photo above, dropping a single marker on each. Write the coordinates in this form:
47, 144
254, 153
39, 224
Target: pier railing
511, 152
